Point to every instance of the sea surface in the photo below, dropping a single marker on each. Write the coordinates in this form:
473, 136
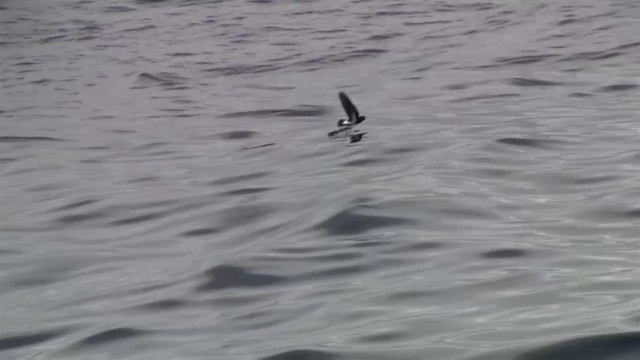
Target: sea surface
168, 189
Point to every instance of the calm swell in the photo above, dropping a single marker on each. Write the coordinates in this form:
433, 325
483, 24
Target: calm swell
168, 188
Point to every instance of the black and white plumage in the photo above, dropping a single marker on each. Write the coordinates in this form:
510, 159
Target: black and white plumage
346, 125
353, 117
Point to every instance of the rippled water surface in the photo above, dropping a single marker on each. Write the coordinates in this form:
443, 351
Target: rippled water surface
169, 191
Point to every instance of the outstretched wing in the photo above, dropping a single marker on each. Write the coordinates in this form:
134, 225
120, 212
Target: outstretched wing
342, 131
349, 108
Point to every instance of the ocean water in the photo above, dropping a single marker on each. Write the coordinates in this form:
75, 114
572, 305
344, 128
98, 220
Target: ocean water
168, 189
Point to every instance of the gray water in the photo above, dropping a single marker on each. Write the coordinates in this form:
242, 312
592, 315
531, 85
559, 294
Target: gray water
168, 189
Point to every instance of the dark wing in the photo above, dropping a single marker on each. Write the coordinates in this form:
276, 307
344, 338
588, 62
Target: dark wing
349, 108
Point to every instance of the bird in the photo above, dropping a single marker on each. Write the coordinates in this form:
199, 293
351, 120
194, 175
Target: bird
353, 118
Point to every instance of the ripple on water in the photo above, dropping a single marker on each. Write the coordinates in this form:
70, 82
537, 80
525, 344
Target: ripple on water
241, 178
518, 81
52, 38
238, 134
108, 337
303, 354
300, 111
243, 69
339, 58
617, 87
201, 232
164, 305
76, 204
384, 36
402, 150
365, 162
246, 191
580, 94
530, 142
9, 342
27, 139
140, 28
416, 247
230, 276
141, 218
381, 337
148, 79
485, 97
613, 213
117, 9
350, 222
82, 217
622, 346
81, 213
504, 253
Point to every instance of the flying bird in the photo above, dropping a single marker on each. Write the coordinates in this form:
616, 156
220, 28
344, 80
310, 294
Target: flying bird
353, 118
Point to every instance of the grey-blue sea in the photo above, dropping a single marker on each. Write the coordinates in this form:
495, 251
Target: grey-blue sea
168, 189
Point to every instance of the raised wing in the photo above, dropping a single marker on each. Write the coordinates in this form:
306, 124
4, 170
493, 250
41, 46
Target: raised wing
349, 108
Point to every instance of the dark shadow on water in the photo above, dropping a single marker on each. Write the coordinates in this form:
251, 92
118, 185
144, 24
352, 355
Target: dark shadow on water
300, 111
484, 97
8, 342
622, 346
580, 95
238, 134
164, 305
366, 162
147, 79
109, 336
384, 36
617, 87
117, 9
7, 160
532, 82
348, 222
137, 219
246, 191
303, 354
402, 150
258, 146
610, 213
27, 139
76, 204
504, 253
229, 276
200, 232
527, 142
524, 60
82, 217
378, 338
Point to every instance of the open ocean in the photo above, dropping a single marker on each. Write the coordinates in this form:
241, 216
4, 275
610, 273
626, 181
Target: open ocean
168, 189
